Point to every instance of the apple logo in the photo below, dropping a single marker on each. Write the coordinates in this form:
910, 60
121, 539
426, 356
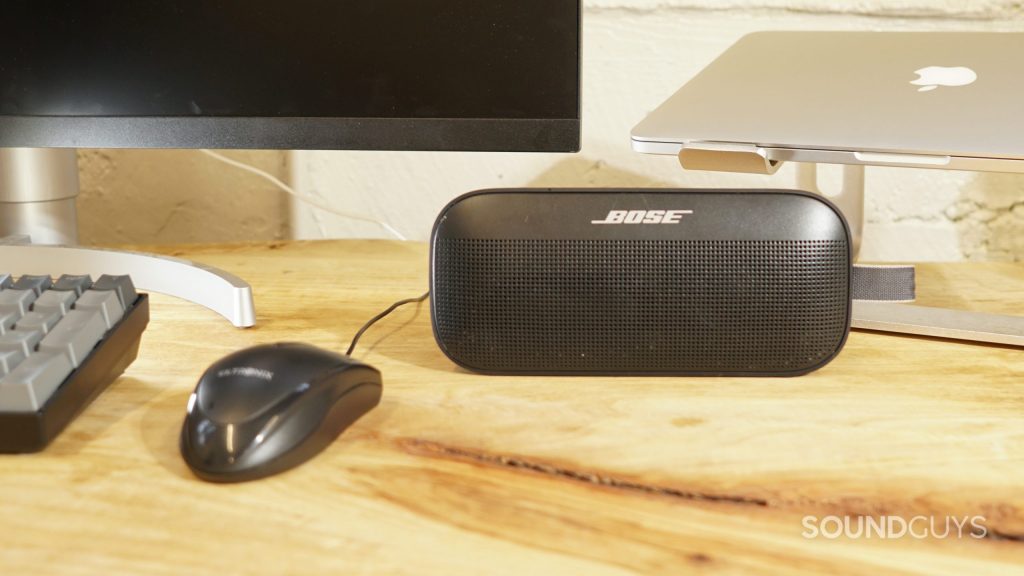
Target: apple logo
932, 77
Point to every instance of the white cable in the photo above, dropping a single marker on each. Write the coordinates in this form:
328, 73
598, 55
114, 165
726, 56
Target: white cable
307, 199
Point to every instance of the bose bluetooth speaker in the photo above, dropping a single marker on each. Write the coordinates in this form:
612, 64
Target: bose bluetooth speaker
698, 282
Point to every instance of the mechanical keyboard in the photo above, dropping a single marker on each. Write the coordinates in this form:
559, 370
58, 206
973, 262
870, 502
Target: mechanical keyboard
61, 344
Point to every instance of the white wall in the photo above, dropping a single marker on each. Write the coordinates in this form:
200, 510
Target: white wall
638, 52
178, 197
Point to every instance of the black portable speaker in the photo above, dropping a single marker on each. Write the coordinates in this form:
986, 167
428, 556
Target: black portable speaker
698, 282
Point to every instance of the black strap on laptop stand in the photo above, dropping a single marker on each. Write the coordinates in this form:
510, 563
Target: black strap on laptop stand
884, 283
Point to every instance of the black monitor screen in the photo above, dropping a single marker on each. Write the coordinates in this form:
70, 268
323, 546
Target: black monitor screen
402, 60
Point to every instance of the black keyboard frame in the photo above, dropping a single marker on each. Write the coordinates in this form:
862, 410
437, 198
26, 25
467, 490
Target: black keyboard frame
22, 432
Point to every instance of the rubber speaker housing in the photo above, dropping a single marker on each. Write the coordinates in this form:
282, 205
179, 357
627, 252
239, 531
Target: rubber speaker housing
614, 281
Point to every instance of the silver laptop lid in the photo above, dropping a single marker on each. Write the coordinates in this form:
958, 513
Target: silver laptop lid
936, 99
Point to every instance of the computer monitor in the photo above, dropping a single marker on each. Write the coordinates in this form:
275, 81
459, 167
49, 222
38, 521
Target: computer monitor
459, 75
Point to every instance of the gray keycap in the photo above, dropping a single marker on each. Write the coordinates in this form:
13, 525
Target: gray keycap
106, 302
28, 386
38, 321
76, 284
122, 285
55, 301
19, 300
8, 316
75, 335
36, 284
9, 360
14, 304
21, 340
5, 281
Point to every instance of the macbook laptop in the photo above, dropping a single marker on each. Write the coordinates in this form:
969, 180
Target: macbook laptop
922, 99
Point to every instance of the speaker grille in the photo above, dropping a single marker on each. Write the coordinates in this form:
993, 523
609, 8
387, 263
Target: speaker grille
550, 306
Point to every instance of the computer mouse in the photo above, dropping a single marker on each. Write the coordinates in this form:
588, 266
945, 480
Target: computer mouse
268, 408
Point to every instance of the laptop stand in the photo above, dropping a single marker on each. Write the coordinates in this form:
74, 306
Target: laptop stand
867, 314
909, 318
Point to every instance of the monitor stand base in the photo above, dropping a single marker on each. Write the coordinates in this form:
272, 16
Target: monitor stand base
908, 318
38, 190
224, 293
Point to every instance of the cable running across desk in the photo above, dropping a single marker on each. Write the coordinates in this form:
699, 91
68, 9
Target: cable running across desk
378, 317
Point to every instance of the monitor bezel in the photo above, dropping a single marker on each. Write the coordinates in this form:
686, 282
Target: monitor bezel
276, 133
304, 133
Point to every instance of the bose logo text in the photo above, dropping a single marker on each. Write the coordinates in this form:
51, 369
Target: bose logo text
643, 217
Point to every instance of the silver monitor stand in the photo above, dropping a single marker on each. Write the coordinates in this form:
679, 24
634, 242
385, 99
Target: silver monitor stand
39, 228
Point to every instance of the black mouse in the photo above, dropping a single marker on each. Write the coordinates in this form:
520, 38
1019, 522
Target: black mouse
268, 408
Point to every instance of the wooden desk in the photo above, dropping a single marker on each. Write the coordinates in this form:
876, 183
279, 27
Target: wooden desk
462, 474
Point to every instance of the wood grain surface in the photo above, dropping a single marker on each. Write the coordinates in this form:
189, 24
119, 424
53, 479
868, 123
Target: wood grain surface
456, 473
